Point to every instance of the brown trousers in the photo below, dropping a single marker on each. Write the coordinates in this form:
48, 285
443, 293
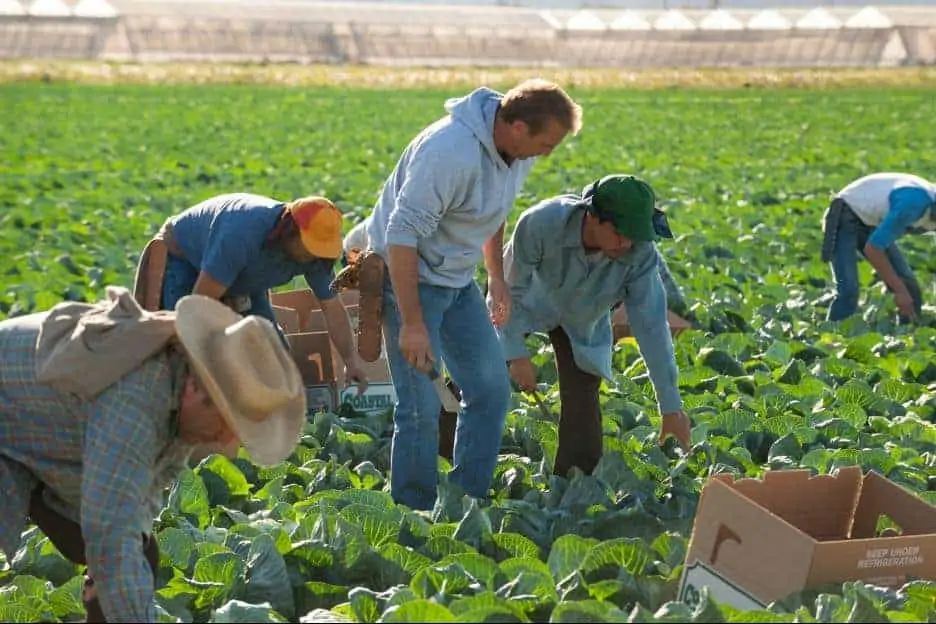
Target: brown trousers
580, 432
66, 536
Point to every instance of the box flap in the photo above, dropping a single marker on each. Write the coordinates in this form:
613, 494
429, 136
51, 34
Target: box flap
287, 318
316, 319
312, 352
735, 536
304, 302
882, 496
822, 506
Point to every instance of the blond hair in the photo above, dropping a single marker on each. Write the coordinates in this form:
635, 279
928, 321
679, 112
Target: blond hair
536, 101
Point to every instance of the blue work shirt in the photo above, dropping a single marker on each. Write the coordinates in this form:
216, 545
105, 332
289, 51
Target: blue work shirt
554, 283
224, 237
908, 204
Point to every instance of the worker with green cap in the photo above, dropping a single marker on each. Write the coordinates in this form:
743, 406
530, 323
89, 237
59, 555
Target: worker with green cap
570, 260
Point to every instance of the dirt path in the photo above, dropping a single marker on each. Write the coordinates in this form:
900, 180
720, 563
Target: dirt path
90, 72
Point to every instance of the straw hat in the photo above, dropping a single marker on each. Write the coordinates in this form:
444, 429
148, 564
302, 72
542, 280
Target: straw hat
248, 373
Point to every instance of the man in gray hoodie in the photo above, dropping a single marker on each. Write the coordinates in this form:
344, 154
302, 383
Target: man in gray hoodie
441, 211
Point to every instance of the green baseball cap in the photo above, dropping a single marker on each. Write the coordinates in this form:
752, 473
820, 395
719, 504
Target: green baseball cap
626, 201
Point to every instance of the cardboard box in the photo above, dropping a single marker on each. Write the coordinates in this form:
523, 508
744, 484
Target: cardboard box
319, 362
312, 353
320, 398
376, 400
287, 318
304, 302
316, 319
621, 327
757, 541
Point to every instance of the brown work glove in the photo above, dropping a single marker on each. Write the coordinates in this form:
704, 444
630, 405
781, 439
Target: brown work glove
365, 272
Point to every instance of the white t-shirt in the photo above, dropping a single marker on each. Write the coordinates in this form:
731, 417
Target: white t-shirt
357, 237
869, 197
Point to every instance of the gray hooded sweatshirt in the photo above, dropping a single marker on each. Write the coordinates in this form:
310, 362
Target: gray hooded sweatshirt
449, 192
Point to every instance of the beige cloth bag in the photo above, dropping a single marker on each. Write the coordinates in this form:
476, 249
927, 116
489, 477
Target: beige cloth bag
83, 348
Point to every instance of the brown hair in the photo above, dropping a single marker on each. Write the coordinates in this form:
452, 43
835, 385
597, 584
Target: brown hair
536, 101
284, 230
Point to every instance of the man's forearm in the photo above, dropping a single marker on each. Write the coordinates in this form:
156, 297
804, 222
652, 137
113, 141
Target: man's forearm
339, 327
493, 251
208, 286
404, 277
878, 259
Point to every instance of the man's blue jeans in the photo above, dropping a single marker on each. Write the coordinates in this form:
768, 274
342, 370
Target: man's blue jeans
462, 336
179, 281
851, 236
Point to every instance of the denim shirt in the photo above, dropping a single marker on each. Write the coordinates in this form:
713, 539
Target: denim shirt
554, 283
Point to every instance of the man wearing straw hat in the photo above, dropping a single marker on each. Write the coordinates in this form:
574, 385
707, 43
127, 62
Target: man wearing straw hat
100, 407
570, 259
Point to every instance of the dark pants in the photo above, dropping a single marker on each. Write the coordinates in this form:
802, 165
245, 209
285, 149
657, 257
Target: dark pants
66, 536
580, 441
179, 281
580, 431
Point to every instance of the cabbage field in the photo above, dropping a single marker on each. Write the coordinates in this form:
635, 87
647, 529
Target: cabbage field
91, 171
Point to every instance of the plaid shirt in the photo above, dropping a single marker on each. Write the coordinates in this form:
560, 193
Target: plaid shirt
104, 464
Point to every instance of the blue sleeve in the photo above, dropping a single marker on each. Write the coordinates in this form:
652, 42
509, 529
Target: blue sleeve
227, 252
908, 205
646, 311
319, 278
434, 180
522, 256
674, 295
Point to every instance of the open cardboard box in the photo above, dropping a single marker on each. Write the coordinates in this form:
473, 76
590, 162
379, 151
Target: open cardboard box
287, 318
303, 301
312, 353
319, 361
758, 541
621, 327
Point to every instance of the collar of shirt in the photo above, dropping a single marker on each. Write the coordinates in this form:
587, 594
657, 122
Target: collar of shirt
572, 230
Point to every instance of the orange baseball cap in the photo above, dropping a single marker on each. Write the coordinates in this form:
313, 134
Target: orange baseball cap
319, 223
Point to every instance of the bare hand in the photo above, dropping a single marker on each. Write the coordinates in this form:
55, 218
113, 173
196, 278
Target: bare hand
523, 374
498, 301
354, 373
415, 345
905, 304
677, 425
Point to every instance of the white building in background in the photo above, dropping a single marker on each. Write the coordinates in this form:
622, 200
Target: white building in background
769, 19
869, 17
94, 8
11, 7
720, 19
673, 19
586, 20
818, 19
49, 8
630, 20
